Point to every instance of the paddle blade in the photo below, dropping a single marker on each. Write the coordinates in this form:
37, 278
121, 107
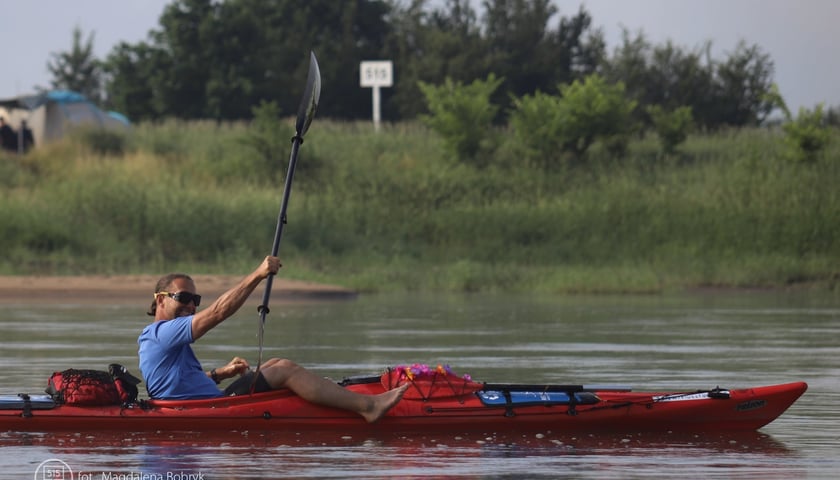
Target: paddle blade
311, 96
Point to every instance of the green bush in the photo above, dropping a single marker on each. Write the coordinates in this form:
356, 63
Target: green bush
537, 124
552, 131
807, 135
463, 116
593, 109
672, 127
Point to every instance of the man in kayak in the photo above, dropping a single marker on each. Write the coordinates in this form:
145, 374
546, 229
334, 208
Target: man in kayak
172, 371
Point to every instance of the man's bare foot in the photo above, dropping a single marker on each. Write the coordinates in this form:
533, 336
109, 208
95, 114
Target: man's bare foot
384, 402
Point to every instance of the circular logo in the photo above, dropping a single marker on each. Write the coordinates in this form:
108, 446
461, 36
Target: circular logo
53, 469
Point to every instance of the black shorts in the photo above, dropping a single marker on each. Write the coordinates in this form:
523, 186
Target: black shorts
242, 385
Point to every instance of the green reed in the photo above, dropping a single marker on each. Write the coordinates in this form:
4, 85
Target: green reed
389, 210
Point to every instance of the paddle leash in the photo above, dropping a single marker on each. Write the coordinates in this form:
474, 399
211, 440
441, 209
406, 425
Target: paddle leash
305, 114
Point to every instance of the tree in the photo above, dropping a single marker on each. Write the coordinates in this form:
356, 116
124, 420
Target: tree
680, 78
463, 116
346, 33
430, 46
132, 71
832, 116
212, 59
808, 134
728, 92
531, 55
629, 64
537, 123
78, 70
665, 75
545, 127
577, 49
594, 109
672, 126
219, 58
514, 39
185, 70
518, 43
743, 81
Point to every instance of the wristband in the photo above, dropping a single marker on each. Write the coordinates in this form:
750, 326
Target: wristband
214, 376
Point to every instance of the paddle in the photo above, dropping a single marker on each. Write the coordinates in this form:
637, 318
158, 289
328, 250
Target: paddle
305, 114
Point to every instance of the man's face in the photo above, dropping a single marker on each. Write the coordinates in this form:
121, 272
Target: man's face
170, 308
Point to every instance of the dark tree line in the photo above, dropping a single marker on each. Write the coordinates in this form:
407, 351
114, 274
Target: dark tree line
734, 91
218, 59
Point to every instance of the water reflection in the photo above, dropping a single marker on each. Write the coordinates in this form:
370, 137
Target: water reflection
291, 456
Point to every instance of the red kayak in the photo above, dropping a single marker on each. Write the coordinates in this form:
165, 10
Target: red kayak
438, 401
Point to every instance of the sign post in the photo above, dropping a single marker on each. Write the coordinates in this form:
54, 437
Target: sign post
376, 74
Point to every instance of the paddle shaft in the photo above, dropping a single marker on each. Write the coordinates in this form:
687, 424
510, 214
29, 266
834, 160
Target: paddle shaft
281, 221
297, 140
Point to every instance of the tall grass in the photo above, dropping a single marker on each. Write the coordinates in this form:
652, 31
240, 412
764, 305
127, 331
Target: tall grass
390, 211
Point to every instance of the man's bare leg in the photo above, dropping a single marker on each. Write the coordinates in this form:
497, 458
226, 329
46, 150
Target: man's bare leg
281, 373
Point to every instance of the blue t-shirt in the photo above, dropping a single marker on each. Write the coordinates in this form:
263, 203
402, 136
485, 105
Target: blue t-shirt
168, 363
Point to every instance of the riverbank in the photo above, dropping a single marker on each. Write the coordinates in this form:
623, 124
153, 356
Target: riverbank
394, 213
128, 289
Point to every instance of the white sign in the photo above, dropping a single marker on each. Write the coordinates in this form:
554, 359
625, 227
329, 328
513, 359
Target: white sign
376, 74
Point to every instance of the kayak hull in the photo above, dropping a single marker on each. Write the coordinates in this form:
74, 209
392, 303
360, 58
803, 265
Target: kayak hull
490, 409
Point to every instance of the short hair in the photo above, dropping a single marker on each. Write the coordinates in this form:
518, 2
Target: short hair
162, 284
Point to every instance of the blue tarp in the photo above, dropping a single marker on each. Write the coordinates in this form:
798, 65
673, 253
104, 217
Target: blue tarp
63, 97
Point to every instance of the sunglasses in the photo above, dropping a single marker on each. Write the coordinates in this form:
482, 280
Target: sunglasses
183, 297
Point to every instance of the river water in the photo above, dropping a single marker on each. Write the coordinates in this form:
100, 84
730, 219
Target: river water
670, 342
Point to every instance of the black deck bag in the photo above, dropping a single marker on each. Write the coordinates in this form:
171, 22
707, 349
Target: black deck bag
125, 382
93, 387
